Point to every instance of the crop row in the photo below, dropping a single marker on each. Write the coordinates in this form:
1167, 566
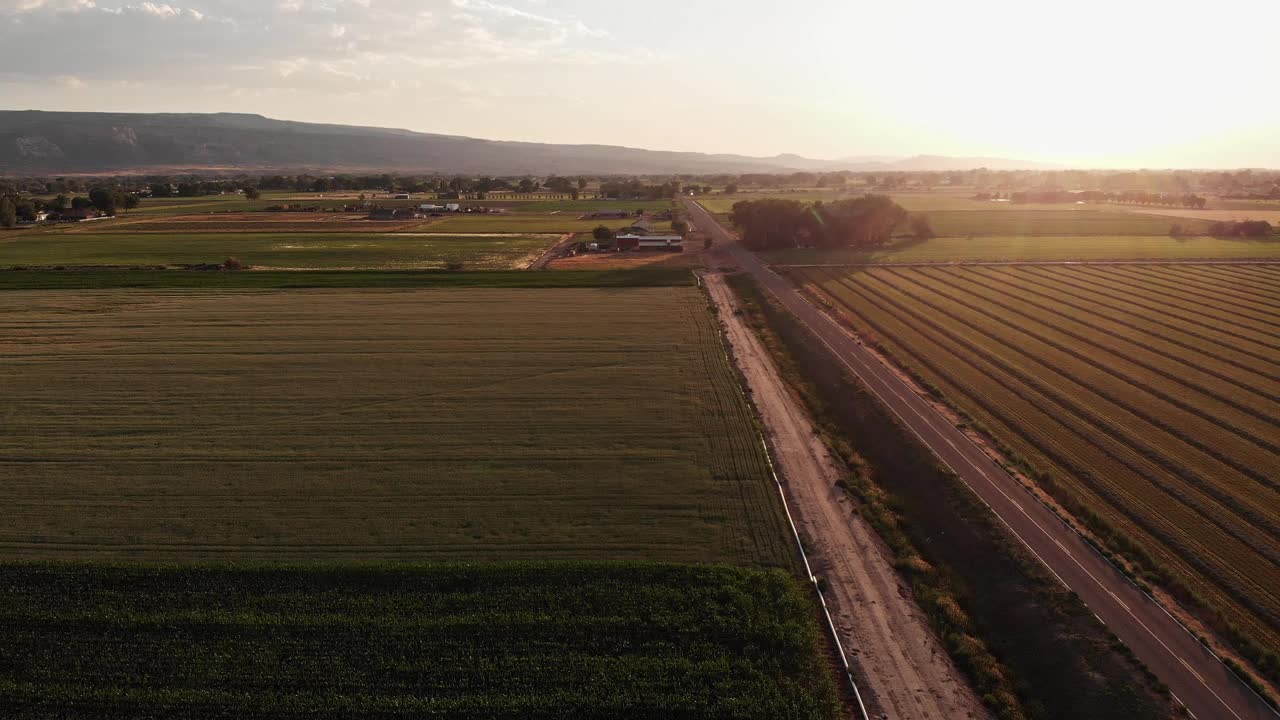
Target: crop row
1164, 336
1259, 278
1171, 390
1231, 282
541, 641
1161, 334
1179, 283
992, 368
1037, 434
1220, 330
1071, 384
1055, 429
1201, 306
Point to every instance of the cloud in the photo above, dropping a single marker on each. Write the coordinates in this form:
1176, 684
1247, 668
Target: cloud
24, 6
356, 38
164, 10
426, 64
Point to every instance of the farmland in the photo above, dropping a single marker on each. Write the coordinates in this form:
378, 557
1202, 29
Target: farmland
1074, 220
481, 424
216, 204
974, 231
918, 202
572, 640
293, 250
193, 231
251, 222
1145, 397
1027, 248
1271, 214
307, 279
528, 223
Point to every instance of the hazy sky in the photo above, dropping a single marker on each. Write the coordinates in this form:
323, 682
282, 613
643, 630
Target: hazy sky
1090, 82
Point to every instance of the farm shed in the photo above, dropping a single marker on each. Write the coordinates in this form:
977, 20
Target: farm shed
607, 215
674, 243
640, 227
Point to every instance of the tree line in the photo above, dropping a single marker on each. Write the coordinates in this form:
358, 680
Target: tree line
775, 224
1186, 200
1139, 186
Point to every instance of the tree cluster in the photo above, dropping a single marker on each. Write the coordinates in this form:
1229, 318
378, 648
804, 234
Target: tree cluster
15, 209
635, 189
110, 200
773, 224
1246, 228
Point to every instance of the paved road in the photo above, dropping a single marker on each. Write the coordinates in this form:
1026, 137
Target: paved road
1197, 678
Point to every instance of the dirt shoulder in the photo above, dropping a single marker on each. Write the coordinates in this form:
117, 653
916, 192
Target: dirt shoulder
907, 673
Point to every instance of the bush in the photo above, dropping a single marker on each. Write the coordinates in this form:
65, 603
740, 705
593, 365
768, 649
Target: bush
922, 228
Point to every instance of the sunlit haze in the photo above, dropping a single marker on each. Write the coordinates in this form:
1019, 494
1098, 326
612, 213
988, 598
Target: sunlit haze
1091, 83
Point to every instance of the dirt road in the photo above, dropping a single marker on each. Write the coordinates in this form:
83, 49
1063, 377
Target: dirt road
907, 673
552, 252
1195, 676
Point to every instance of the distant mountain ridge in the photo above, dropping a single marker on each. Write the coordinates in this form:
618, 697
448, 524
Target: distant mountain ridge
41, 142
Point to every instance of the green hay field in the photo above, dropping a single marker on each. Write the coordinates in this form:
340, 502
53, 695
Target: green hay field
297, 250
480, 424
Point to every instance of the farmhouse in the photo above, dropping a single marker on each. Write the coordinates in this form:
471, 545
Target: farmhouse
673, 243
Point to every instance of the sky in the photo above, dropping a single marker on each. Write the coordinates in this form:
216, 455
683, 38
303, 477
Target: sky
1089, 83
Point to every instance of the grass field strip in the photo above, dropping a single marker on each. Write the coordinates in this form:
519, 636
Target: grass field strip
832, 633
